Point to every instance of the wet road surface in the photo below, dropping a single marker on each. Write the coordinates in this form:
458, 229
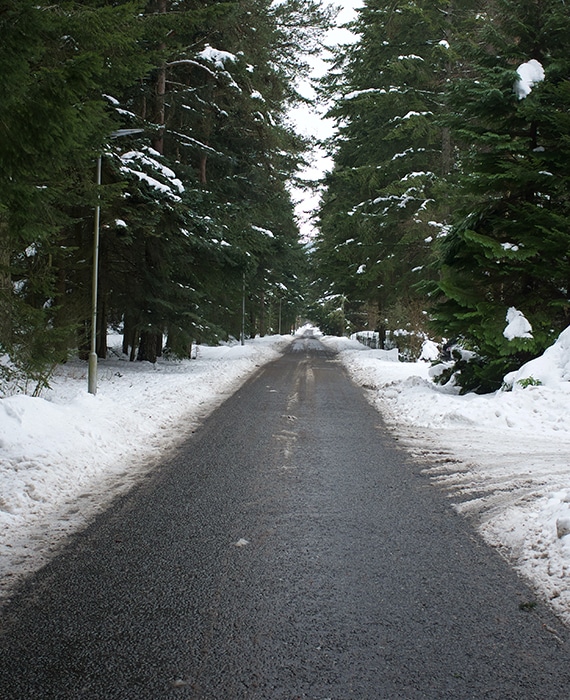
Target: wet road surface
290, 550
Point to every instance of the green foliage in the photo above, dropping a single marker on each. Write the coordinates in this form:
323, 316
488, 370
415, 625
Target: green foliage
329, 315
449, 189
510, 246
387, 198
190, 208
36, 347
529, 381
55, 61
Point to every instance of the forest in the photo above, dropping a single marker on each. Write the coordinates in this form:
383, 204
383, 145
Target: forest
150, 141
184, 106
446, 214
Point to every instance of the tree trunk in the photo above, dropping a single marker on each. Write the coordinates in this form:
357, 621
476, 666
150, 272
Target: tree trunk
150, 342
83, 339
150, 346
372, 315
101, 340
5, 286
136, 336
129, 330
203, 172
446, 151
178, 344
102, 299
381, 326
160, 93
446, 141
262, 326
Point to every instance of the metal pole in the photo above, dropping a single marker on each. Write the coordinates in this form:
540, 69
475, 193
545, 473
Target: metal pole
243, 311
280, 315
92, 368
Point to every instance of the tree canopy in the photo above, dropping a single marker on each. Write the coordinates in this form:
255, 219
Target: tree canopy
445, 212
449, 191
186, 105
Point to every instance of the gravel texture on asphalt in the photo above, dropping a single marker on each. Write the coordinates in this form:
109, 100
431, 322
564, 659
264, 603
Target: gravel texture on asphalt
289, 550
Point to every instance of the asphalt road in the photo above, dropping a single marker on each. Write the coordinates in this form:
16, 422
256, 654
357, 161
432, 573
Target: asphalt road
289, 550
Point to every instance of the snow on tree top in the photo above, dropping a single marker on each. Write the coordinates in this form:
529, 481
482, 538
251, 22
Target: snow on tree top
264, 231
420, 173
412, 113
218, 58
146, 158
368, 91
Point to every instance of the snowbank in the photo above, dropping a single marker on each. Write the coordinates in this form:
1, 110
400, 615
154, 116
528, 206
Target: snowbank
551, 369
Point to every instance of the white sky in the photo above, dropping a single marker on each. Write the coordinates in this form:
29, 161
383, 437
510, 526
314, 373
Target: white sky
310, 122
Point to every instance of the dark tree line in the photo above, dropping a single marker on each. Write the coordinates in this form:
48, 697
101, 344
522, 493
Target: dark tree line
448, 201
186, 104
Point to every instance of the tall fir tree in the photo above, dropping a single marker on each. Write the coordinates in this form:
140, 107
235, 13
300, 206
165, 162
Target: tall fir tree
387, 197
510, 248
188, 207
56, 60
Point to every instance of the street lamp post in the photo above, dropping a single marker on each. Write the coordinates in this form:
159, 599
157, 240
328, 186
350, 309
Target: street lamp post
92, 366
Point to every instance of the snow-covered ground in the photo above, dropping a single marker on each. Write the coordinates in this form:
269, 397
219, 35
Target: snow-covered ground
502, 458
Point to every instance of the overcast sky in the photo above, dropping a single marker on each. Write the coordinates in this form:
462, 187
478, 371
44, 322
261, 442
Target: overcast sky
310, 122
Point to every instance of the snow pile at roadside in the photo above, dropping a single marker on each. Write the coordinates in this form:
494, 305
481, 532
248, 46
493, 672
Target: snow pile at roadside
503, 458
65, 455
551, 369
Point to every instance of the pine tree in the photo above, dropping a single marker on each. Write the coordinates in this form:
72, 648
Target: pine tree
187, 207
387, 198
55, 60
510, 247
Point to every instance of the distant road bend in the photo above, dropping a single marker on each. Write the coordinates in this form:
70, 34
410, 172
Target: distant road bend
290, 550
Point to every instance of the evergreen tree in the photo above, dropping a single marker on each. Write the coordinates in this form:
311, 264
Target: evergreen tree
226, 125
188, 207
511, 246
55, 60
387, 198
